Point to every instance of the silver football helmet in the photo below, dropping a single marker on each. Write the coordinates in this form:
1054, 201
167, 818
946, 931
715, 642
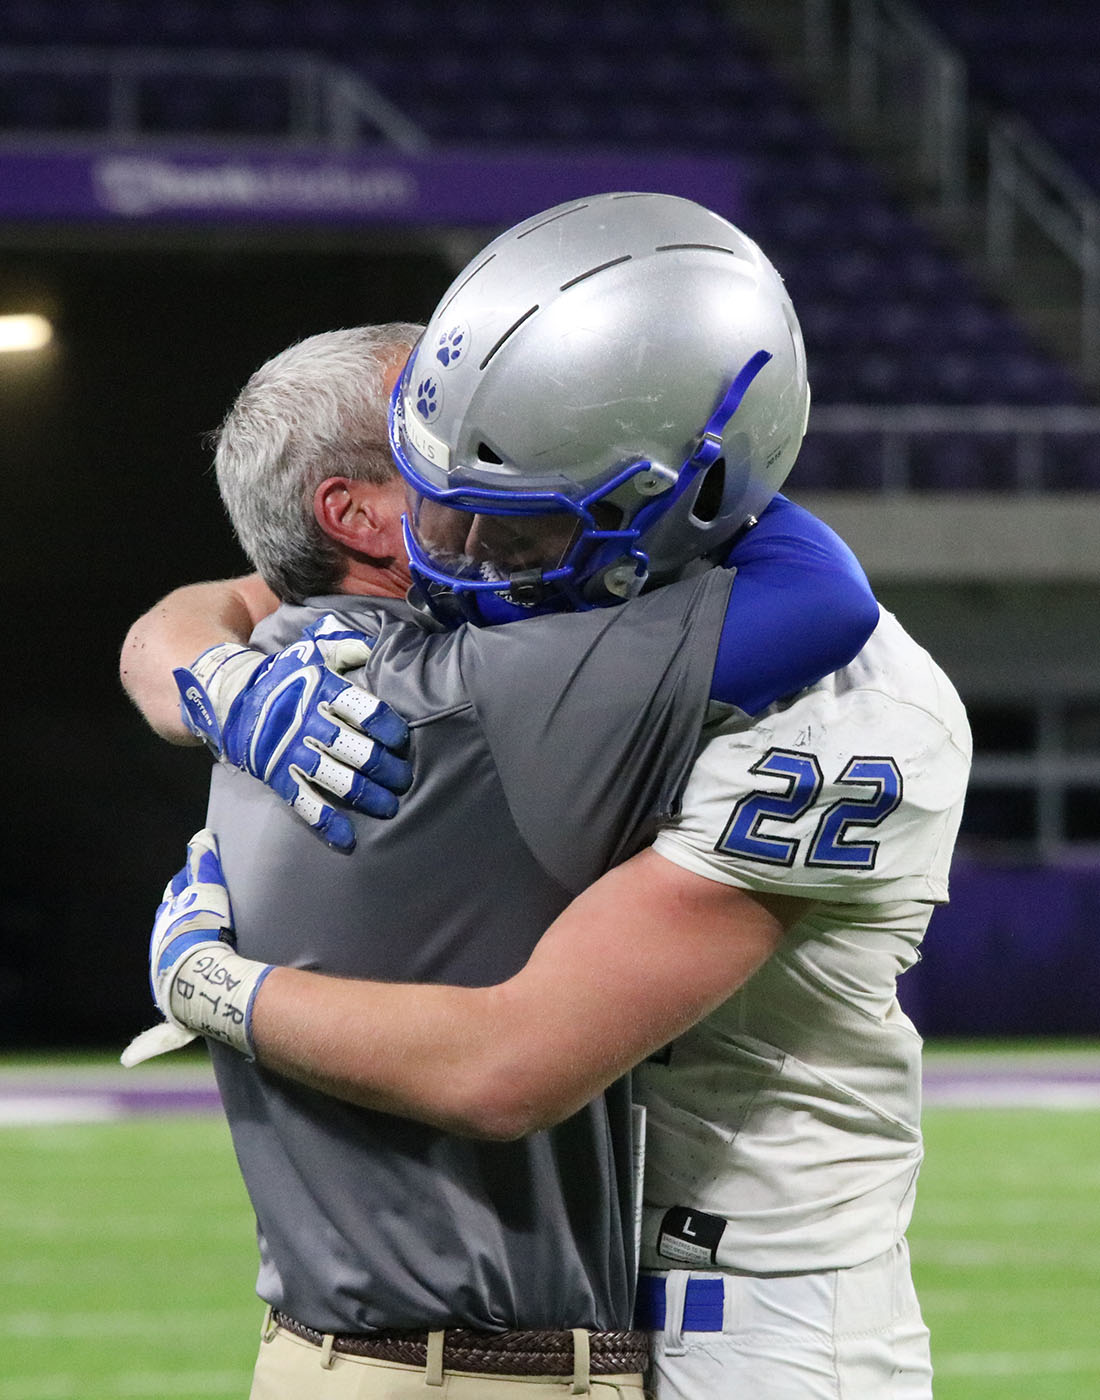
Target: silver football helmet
608, 391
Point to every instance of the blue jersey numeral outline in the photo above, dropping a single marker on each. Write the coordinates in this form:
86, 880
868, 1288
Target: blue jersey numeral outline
742, 835
829, 846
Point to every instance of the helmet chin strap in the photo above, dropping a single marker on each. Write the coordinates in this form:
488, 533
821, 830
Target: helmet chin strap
626, 577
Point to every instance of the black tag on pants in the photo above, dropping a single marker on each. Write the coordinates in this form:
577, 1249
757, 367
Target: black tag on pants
690, 1237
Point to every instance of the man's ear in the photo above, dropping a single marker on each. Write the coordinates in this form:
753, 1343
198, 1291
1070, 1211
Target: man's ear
346, 511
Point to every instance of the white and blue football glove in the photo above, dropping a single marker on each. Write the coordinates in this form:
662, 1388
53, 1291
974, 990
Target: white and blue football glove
294, 722
200, 984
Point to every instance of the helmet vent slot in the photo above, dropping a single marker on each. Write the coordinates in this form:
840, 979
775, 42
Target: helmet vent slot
702, 247
553, 219
708, 503
486, 454
509, 332
465, 282
593, 270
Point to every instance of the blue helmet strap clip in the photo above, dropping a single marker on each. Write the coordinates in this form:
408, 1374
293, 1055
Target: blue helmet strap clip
710, 447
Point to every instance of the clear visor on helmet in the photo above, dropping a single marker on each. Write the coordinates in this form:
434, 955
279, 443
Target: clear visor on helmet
466, 544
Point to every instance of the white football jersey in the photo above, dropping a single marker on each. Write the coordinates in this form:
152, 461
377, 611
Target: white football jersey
783, 1132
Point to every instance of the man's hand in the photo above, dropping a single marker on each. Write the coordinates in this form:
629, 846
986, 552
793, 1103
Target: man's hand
294, 722
201, 985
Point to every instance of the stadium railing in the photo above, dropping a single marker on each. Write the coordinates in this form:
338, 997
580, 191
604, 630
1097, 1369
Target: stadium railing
977, 447
111, 89
901, 72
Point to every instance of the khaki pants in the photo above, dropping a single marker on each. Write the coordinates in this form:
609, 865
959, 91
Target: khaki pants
291, 1368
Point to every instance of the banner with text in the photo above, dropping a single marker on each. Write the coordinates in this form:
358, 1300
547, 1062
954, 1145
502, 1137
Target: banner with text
213, 186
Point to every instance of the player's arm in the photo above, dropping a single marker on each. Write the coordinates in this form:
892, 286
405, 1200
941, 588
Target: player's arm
801, 607
797, 580
633, 962
174, 631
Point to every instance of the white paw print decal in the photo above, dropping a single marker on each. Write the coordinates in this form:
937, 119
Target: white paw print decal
429, 398
450, 345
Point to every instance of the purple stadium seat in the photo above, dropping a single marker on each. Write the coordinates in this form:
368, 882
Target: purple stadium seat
837, 462
1012, 49
888, 316
260, 22
961, 462
34, 22
178, 105
191, 23
62, 102
333, 23
1072, 463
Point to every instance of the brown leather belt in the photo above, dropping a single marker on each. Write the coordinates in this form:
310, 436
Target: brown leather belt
492, 1353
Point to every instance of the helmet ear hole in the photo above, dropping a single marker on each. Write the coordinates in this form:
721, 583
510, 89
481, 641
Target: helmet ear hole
486, 454
712, 489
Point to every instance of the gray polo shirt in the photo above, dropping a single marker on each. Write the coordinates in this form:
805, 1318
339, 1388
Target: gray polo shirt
544, 752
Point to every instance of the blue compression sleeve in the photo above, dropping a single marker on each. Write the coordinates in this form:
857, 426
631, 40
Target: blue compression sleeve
800, 608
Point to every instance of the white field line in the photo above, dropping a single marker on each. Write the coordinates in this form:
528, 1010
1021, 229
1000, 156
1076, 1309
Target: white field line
114, 1224
80, 1326
992, 1301
988, 1092
19, 1112
127, 1385
1016, 1363
86, 1267
34, 1095
984, 1254
108, 1076
1038, 1210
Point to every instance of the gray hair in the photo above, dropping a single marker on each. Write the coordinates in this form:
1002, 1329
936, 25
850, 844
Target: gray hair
315, 410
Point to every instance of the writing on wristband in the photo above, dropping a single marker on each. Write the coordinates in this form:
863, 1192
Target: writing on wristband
212, 992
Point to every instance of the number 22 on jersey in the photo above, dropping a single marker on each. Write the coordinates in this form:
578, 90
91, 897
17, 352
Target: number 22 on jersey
755, 828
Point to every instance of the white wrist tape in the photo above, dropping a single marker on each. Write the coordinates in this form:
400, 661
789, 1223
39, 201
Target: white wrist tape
224, 669
212, 992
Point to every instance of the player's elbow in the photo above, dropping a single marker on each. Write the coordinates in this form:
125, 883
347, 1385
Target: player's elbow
154, 695
493, 1117
487, 1126
504, 1106
516, 1078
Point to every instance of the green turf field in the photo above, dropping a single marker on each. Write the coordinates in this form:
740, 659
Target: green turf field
1006, 1252
127, 1263
127, 1258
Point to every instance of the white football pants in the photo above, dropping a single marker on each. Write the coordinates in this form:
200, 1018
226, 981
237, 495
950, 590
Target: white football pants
846, 1334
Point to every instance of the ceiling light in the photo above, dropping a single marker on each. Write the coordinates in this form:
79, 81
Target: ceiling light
27, 332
